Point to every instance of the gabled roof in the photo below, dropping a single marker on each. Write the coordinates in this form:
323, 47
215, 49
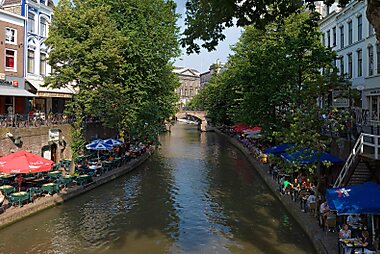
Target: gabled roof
186, 71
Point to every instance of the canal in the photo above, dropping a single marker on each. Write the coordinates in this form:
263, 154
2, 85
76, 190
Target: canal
197, 194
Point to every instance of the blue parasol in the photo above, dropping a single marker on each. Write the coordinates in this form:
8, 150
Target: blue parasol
113, 142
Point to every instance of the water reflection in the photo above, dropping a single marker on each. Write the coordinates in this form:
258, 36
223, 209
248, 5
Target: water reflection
197, 194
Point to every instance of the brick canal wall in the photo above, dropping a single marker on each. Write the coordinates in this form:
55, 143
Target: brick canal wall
15, 214
36, 140
323, 242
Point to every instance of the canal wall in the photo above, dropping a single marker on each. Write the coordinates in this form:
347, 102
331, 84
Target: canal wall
323, 242
14, 214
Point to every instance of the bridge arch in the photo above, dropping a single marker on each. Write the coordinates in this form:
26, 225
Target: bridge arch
199, 115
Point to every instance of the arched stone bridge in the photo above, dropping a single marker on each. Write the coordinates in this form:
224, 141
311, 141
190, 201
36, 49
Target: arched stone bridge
199, 115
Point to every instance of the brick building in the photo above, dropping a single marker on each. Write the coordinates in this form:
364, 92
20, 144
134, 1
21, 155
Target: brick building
13, 96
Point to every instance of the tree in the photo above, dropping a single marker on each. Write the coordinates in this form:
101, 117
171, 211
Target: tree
206, 19
274, 80
120, 63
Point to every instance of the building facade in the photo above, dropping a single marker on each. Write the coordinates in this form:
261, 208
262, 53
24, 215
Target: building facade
38, 15
14, 98
216, 68
349, 33
190, 84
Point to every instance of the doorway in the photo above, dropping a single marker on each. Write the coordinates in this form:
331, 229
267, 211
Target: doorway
53, 152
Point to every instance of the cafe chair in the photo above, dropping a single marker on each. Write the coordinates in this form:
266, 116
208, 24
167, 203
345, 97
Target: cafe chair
330, 223
313, 208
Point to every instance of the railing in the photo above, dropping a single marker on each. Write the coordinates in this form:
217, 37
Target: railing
34, 120
364, 139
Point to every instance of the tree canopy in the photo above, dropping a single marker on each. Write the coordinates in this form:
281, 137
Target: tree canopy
279, 78
118, 56
207, 19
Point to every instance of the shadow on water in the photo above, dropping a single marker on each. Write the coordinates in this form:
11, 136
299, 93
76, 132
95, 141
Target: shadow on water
197, 194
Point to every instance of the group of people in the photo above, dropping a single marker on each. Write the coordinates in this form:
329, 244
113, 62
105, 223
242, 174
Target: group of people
349, 231
301, 189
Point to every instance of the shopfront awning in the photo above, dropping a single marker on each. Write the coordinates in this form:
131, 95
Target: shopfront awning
9, 91
63, 92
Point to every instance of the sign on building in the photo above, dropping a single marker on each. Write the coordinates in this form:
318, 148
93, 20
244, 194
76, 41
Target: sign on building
55, 135
340, 99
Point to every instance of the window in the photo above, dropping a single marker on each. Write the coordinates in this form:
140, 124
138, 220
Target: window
323, 40
31, 25
360, 27
349, 59
349, 32
43, 64
370, 29
341, 37
360, 63
43, 27
30, 61
10, 35
370, 60
328, 39
10, 60
341, 66
334, 36
378, 57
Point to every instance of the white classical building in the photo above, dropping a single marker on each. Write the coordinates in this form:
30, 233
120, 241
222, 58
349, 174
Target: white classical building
348, 32
38, 15
190, 84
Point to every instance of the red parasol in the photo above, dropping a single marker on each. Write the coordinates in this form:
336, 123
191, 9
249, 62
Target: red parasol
23, 162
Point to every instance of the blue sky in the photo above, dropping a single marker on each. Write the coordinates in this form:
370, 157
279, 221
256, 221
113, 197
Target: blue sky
202, 61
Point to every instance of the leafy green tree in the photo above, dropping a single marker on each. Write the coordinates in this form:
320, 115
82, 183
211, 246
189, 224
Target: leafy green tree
274, 80
118, 56
207, 19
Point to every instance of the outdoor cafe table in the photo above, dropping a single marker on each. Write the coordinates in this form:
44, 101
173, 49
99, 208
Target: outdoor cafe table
37, 182
18, 197
82, 179
351, 243
68, 179
6, 177
50, 188
54, 174
7, 189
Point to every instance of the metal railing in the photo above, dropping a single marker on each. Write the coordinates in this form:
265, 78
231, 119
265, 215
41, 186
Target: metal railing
33, 120
364, 140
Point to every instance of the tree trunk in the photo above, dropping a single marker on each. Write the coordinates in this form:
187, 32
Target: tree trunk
373, 15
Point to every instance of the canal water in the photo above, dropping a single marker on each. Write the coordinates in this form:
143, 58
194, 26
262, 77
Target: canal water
197, 194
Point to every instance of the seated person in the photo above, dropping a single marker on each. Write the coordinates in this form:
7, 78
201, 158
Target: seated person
311, 199
324, 210
63, 170
366, 243
2, 198
345, 232
19, 180
352, 220
286, 187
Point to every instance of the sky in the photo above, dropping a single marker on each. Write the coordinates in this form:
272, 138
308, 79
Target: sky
204, 59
